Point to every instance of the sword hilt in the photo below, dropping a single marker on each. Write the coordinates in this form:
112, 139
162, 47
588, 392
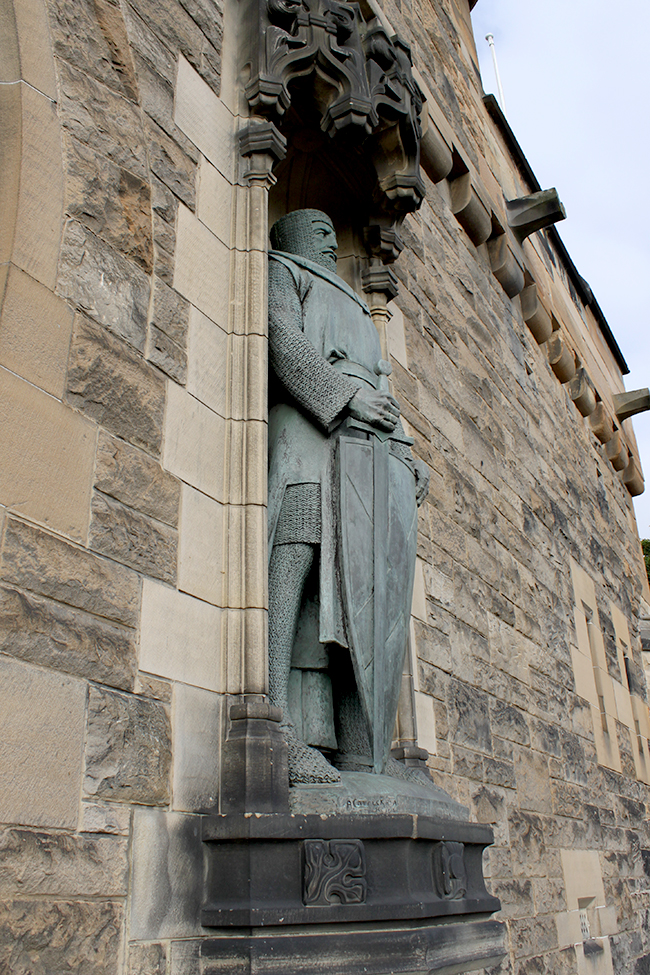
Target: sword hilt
383, 369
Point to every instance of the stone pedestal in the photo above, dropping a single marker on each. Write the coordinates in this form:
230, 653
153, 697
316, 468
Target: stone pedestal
374, 875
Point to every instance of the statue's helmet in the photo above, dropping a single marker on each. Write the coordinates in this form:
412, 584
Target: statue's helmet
297, 233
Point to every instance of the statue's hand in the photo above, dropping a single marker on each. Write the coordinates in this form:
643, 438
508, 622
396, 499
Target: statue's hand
375, 407
422, 478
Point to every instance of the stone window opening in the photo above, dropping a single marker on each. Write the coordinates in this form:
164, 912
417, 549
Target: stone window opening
586, 906
585, 928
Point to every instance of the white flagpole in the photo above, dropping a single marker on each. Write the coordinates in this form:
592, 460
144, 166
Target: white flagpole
490, 39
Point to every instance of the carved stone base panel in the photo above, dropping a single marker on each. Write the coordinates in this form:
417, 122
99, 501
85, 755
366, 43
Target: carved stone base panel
278, 869
440, 948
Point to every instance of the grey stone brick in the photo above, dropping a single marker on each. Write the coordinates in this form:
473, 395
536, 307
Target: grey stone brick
128, 748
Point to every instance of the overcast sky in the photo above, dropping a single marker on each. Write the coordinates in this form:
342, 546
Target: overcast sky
576, 82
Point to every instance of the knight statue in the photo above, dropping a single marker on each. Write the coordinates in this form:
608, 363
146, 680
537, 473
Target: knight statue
343, 490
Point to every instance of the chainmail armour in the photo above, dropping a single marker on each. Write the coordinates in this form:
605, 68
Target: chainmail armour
300, 516
288, 571
315, 385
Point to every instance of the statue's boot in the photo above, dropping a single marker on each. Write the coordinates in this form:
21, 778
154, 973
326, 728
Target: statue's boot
307, 764
400, 771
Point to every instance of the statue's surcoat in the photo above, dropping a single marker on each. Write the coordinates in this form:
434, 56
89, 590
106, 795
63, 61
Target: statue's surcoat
323, 347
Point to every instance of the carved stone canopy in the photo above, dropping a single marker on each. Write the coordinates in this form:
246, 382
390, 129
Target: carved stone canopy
356, 78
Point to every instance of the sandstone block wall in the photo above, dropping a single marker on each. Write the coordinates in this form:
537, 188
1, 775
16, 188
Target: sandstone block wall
132, 502
527, 542
116, 188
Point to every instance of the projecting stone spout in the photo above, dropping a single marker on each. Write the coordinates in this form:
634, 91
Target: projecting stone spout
534, 212
629, 404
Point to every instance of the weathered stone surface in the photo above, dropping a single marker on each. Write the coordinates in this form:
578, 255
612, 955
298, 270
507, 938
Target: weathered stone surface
52, 634
209, 17
146, 45
47, 455
149, 686
166, 889
128, 748
469, 717
132, 477
112, 202
41, 742
531, 936
170, 312
102, 120
34, 559
528, 844
171, 165
164, 246
197, 721
91, 35
165, 206
35, 332
185, 957
37, 863
533, 784
508, 722
103, 284
39, 192
168, 356
110, 817
177, 26
180, 637
133, 539
115, 387
157, 93
516, 897
146, 959
45, 937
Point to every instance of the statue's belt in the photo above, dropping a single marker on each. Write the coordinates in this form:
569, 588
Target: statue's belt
350, 425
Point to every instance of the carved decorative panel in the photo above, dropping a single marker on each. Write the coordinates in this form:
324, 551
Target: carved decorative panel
334, 872
449, 871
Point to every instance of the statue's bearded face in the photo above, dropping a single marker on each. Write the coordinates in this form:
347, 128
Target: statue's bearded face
307, 233
325, 244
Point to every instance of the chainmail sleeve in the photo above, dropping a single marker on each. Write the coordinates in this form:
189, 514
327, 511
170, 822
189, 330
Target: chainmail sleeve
312, 382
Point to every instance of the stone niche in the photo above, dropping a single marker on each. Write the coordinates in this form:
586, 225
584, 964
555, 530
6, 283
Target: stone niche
342, 93
376, 873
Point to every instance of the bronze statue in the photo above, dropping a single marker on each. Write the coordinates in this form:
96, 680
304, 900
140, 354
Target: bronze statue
343, 487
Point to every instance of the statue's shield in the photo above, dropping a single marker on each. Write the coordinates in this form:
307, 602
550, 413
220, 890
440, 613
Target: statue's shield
378, 540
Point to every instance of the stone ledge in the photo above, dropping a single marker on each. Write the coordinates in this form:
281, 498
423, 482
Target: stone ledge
342, 869
435, 948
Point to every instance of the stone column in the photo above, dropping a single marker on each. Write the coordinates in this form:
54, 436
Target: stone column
381, 286
254, 763
245, 555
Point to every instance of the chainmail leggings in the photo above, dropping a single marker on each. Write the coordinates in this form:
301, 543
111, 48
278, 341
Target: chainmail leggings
288, 571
